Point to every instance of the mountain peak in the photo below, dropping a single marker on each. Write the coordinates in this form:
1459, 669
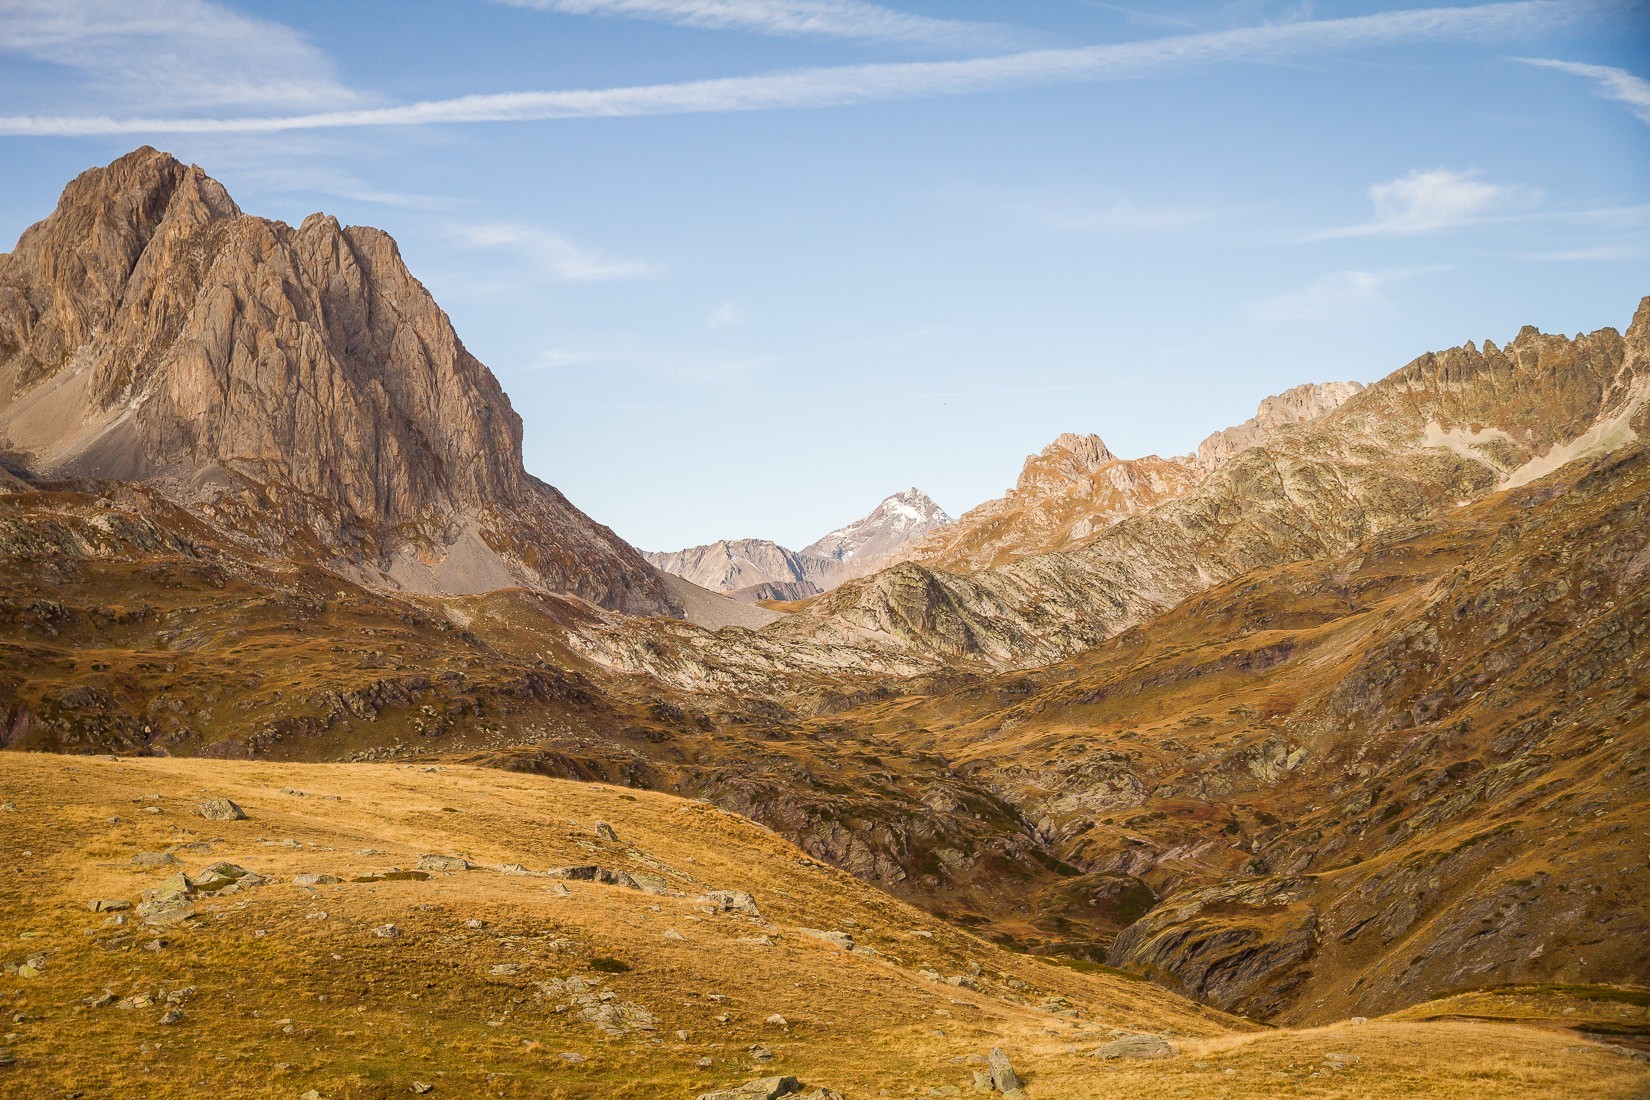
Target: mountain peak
1296, 405
298, 387
1069, 458
898, 519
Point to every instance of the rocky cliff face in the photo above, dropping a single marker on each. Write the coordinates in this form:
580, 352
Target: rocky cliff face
1072, 488
296, 386
758, 569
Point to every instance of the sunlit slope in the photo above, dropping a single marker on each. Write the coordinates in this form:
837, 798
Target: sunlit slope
498, 980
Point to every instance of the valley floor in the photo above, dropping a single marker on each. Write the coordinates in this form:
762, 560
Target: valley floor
482, 975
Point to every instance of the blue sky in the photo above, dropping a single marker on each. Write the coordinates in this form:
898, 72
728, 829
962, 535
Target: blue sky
747, 266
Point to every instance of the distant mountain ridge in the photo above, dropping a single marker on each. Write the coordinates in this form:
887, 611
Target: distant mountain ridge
755, 569
1076, 486
295, 387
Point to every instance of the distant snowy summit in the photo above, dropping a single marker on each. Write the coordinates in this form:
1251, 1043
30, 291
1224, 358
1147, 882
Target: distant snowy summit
758, 569
896, 521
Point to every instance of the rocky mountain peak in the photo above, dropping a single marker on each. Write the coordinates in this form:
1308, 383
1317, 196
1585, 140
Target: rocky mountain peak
1070, 458
898, 519
298, 387
1293, 406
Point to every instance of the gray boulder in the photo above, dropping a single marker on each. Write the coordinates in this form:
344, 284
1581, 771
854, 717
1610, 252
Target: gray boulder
1002, 1071
221, 809
763, 1088
1136, 1046
732, 901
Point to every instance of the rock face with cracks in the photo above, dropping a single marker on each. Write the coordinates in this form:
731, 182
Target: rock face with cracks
295, 386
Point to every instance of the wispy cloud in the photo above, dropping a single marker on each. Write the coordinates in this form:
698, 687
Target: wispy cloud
787, 18
171, 53
846, 85
726, 315
1617, 84
556, 255
556, 358
1335, 297
1433, 200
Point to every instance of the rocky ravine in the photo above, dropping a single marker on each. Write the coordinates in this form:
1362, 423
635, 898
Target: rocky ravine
297, 387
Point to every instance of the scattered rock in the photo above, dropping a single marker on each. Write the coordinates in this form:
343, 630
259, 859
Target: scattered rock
674, 936
475, 922
761, 1053
1136, 1046
560, 890
221, 809
1002, 1071
100, 1000
154, 859
387, 932
732, 901
841, 939
763, 1088
605, 831
104, 906
777, 1020
421, 1088
172, 1016
315, 880
220, 875
572, 1057
442, 863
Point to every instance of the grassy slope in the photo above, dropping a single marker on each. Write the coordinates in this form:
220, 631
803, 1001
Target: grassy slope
324, 1004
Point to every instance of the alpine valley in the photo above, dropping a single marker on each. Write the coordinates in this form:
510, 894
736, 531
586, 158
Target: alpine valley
1312, 763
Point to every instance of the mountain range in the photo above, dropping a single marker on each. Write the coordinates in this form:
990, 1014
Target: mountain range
757, 569
1344, 715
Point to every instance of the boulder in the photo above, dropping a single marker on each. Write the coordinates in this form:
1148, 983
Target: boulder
433, 862
1136, 1046
763, 1088
731, 901
1002, 1071
221, 809
315, 880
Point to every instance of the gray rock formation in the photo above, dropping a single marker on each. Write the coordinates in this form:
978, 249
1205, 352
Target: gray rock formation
757, 569
295, 387
1293, 406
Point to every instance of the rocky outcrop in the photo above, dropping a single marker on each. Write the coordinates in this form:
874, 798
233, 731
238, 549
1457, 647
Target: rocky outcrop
1304, 403
295, 386
1076, 487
